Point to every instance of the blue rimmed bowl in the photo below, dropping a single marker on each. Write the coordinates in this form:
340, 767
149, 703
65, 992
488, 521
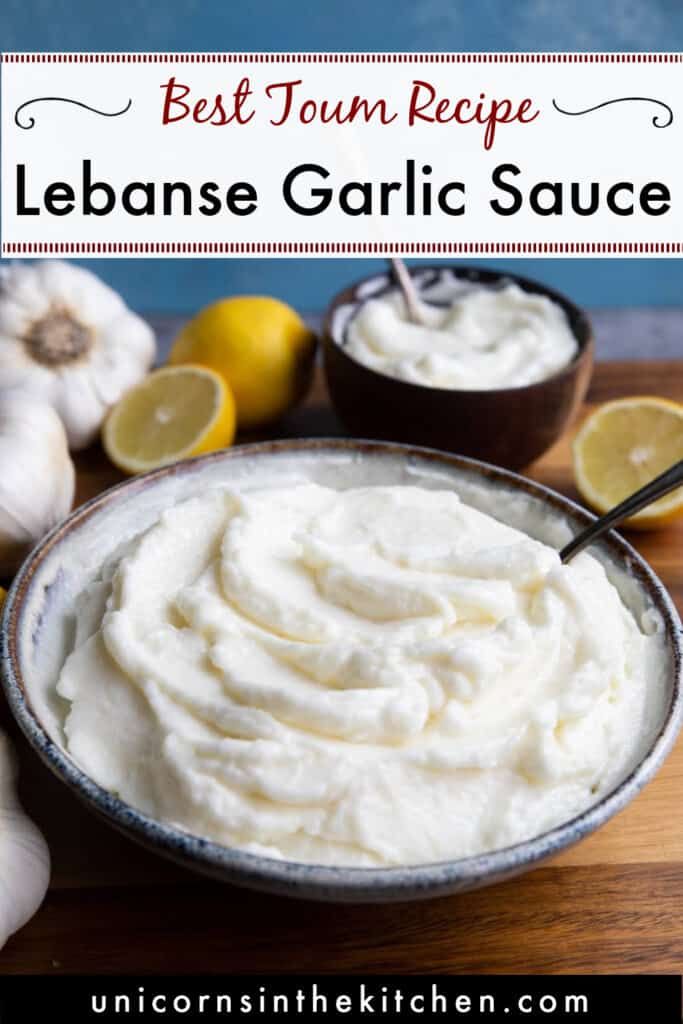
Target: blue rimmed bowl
37, 625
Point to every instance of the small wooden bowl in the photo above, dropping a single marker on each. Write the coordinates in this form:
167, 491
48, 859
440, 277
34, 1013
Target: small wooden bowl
507, 426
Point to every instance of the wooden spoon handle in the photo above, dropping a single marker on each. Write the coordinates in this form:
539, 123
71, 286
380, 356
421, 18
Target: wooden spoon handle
407, 286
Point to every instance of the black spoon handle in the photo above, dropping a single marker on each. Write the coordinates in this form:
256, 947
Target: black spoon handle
657, 488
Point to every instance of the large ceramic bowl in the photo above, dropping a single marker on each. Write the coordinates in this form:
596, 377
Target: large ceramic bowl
37, 627
508, 426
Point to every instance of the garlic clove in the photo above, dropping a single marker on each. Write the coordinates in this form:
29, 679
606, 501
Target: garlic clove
12, 320
25, 291
81, 291
80, 406
116, 368
24, 856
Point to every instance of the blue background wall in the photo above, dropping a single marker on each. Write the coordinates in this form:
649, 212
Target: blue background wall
183, 285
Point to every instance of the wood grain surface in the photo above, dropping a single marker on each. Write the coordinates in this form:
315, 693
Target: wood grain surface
613, 903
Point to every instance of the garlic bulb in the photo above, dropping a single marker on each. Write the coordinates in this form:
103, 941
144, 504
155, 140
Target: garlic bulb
24, 856
69, 339
37, 475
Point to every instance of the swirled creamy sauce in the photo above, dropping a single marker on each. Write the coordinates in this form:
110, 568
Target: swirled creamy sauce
375, 676
483, 338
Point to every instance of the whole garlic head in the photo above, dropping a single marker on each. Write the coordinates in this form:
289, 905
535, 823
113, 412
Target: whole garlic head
24, 856
70, 339
37, 475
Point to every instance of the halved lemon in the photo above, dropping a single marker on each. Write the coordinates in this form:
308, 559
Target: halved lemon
174, 413
622, 446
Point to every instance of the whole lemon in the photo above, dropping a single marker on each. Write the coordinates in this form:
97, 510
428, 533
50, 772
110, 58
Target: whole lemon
262, 348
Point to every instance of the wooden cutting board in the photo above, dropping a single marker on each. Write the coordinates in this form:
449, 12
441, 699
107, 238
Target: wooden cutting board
613, 903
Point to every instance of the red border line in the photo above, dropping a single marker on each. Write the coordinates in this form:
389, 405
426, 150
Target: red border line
336, 248
342, 58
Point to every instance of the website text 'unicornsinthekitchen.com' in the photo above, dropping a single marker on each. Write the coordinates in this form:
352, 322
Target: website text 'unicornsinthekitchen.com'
324, 999
358, 1000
